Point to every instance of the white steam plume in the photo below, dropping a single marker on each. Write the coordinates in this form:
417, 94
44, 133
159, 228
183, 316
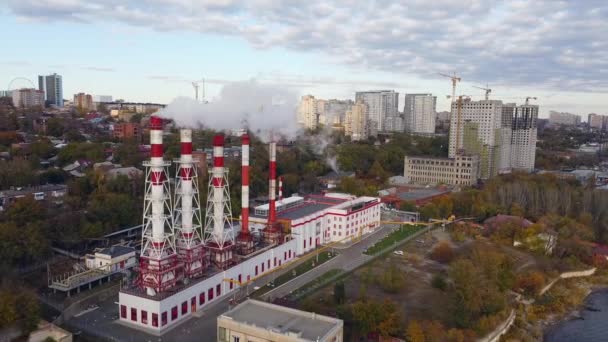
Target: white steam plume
265, 108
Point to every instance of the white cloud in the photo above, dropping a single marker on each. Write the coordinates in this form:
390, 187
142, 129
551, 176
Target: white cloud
514, 42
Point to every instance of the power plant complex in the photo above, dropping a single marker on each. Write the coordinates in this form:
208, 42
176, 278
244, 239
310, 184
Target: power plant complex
189, 259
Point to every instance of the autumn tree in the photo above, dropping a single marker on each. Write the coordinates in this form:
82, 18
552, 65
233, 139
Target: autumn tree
443, 252
414, 332
531, 283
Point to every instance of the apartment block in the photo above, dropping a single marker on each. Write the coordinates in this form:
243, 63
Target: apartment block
127, 131
84, 101
460, 170
380, 105
28, 98
562, 118
52, 86
419, 112
355, 122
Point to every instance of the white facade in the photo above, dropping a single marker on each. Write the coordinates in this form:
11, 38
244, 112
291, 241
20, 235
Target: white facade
105, 261
419, 111
27, 98
343, 222
460, 170
380, 105
156, 315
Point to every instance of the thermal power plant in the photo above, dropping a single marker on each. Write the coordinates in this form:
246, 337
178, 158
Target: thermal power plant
187, 212
159, 268
188, 262
245, 240
219, 233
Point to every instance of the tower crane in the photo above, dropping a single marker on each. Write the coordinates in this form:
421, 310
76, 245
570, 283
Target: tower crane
455, 79
487, 90
196, 85
528, 98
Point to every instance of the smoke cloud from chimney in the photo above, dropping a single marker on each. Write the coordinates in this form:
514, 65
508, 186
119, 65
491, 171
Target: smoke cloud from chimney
260, 107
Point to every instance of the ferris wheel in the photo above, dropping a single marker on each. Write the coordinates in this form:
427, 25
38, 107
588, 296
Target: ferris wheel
19, 82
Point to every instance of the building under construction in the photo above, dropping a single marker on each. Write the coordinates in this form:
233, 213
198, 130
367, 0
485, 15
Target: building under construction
187, 262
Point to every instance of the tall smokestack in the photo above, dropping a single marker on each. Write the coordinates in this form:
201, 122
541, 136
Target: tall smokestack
272, 183
280, 188
158, 261
157, 177
218, 185
185, 173
187, 210
245, 186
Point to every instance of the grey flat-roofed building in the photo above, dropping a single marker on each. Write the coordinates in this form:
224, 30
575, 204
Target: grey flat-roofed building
254, 320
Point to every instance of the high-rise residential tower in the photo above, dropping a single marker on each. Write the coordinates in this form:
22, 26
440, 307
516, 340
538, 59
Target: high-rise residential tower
52, 86
307, 112
479, 131
524, 120
419, 112
380, 105
355, 122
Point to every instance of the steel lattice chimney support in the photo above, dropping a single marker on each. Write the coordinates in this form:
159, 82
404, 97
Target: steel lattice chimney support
245, 187
272, 183
187, 210
158, 261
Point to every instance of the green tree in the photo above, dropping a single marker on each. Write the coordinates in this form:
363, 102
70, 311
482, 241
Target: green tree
54, 127
408, 206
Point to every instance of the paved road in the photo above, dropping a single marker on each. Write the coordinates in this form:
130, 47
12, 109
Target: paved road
101, 324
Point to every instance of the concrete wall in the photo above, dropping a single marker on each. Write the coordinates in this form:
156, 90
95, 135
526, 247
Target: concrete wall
566, 275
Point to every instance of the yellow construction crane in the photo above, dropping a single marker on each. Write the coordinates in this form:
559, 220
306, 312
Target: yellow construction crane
455, 79
487, 90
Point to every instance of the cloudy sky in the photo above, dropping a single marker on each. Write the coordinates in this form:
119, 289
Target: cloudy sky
150, 50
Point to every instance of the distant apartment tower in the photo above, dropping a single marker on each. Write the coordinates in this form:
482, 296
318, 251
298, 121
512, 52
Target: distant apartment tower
52, 86
460, 170
307, 112
597, 121
355, 122
28, 98
380, 105
562, 118
524, 120
482, 131
84, 101
336, 109
419, 112
103, 98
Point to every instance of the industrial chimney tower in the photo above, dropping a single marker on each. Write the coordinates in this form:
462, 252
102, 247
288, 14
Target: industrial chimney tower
273, 230
158, 260
245, 241
219, 234
187, 212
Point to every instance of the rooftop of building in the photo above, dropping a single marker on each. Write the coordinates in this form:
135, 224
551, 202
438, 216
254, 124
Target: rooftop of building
34, 189
283, 320
414, 193
307, 206
116, 251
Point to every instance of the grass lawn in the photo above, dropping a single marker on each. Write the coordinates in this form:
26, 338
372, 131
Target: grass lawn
400, 234
302, 268
315, 284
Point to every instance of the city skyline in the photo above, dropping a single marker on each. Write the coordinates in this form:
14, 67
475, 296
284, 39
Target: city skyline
136, 55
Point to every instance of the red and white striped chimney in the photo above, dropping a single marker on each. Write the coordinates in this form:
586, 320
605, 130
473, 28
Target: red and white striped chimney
157, 177
245, 186
272, 182
186, 183
280, 188
218, 185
